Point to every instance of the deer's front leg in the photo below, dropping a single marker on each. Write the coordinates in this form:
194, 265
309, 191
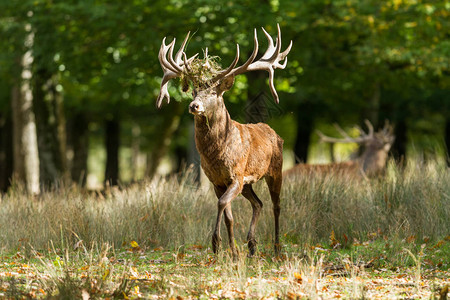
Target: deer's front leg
224, 200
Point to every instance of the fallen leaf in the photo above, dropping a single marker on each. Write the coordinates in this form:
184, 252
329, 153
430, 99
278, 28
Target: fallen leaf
298, 277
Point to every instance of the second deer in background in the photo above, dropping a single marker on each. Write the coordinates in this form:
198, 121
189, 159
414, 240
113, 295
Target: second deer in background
371, 162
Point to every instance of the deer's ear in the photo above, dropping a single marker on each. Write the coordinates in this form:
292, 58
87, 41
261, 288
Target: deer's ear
226, 84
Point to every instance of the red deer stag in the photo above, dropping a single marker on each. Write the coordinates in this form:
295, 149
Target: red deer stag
233, 155
371, 162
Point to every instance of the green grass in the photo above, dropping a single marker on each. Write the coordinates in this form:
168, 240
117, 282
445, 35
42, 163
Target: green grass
194, 272
344, 239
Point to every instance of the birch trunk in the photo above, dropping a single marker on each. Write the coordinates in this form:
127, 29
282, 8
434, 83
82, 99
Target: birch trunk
28, 129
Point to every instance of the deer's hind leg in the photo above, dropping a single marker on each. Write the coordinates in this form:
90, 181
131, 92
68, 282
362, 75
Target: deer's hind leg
274, 184
257, 205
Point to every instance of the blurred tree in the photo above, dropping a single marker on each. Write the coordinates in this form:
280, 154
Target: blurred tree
78, 144
6, 136
6, 152
168, 127
26, 144
112, 144
447, 140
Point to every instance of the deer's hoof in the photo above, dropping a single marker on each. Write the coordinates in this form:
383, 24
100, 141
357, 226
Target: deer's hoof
277, 248
251, 247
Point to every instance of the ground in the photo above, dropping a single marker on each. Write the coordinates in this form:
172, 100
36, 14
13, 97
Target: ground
192, 272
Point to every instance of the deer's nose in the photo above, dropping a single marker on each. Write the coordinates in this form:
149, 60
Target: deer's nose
193, 107
196, 108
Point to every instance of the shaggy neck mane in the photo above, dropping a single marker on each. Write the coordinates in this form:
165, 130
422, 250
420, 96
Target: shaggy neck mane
211, 132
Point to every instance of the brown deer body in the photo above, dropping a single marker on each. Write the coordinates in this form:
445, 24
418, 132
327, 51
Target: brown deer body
371, 162
233, 156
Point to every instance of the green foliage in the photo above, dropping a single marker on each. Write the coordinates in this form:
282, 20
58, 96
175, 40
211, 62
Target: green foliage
104, 54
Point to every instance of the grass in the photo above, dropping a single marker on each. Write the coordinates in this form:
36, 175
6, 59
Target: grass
355, 240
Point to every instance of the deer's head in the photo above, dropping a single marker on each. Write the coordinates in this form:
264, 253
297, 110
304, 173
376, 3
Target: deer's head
209, 82
380, 141
207, 100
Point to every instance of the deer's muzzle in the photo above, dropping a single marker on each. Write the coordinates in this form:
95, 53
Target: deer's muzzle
196, 108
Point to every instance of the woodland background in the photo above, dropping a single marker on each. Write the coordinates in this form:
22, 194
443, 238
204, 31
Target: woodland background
79, 79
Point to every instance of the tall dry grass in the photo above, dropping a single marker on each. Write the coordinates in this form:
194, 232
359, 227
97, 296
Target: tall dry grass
174, 212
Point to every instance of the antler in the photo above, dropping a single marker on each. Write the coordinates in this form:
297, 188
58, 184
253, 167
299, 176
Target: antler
268, 62
370, 134
387, 133
363, 137
172, 67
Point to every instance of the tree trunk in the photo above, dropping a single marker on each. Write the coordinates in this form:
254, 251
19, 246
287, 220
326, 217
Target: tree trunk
373, 110
6, 152
79, 143
135, 151
17, 132
447, 140
49, 121
331, 150
25, 140
305, 122
112, 143
399, 147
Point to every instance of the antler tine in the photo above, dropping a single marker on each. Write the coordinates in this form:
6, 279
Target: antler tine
255, 51
327, 139
276, 56
188, 62
172, 67
321, 135
387, 129
285, 53
228, 71
172, 62
163, 53
387, 133
270, 48
180, 52
276, 53
370, 127
272, 86
163, 93
342, 132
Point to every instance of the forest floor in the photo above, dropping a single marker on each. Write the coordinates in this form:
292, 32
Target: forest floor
380, 238
193, 272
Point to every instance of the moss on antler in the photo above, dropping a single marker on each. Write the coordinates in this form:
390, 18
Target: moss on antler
202, 71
